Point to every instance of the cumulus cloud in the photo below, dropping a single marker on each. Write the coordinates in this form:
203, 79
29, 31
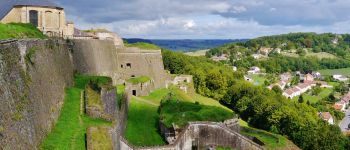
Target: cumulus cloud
209, 18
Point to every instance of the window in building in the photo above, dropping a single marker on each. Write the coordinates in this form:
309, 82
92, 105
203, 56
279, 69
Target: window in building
133, 76
33, 17
128, 65
121, 66
134, 92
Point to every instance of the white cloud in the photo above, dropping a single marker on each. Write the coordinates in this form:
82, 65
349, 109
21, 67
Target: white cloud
209, 18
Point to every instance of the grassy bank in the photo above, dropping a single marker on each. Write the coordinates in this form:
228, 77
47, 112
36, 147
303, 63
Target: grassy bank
20, 31
143, 117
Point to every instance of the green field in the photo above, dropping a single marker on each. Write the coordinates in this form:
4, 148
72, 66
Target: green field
70, 129
19, 31
258, 79
321, 55
143, 45
330, 72
315, 98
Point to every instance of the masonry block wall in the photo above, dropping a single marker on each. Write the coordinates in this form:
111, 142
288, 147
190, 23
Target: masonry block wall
33, 78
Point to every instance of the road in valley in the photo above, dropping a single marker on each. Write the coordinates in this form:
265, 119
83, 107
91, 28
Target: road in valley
345, 122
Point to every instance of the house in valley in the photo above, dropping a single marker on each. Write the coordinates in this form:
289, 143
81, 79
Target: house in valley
326, 116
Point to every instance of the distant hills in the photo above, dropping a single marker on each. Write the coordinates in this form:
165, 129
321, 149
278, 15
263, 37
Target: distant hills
187, 44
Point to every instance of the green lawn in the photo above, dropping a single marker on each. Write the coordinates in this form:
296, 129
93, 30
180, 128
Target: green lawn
70, 129
69, 132
143, 45
314, 99
137, 80
17, 30
330, 72
258, 79
142, 124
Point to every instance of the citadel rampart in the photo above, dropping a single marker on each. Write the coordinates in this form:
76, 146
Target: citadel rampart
203, 135
33, 78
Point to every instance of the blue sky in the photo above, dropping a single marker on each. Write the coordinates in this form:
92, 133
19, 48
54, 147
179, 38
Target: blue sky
209, 19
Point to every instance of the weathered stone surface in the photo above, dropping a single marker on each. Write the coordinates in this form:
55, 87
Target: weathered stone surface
32, 90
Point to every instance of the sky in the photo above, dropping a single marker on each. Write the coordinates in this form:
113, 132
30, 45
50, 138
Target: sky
209, 19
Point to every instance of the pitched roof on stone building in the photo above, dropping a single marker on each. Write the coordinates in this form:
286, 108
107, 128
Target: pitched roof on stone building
7, 5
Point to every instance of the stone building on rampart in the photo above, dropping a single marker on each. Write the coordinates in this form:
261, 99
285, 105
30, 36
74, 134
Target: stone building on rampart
47, 16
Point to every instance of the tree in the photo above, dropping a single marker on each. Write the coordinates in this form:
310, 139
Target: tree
301, 99
277, 89
331, 98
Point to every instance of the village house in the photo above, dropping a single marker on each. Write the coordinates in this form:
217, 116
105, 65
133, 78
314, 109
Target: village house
341, 105
222, 57
257, 56
47, 16
308, 78
286, 77
234, 68
340, 78
304, 87
265, 51
346, 98
326, 116
254, 70
316, 75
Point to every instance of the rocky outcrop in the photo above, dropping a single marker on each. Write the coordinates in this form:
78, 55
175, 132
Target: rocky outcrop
33, 78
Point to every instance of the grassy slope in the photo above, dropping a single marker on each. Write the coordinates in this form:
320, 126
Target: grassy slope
181, 113
330, 72
271, 140
70, 129
143, 116
16, 30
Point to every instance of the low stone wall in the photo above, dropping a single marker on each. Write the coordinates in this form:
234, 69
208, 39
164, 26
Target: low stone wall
109, 105
141, 89
203, 135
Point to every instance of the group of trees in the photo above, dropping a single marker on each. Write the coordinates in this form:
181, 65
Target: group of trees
331, 43
271, 111
280, 64
210, 78
260, 107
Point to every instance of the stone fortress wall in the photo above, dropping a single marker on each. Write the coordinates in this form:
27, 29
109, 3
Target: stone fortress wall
203, 135
33, 78
104, 58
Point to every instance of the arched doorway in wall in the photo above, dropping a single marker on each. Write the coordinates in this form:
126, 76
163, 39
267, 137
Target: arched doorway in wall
33, 17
